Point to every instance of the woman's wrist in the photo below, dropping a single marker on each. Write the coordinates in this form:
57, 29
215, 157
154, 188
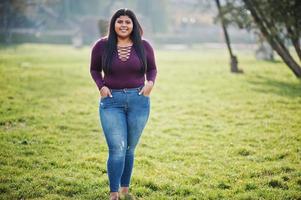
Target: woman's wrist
101, 89
150, 83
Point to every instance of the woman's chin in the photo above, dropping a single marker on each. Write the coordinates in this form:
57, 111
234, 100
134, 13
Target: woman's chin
123, 35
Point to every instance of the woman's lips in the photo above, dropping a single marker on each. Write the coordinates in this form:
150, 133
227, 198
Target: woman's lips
123, 30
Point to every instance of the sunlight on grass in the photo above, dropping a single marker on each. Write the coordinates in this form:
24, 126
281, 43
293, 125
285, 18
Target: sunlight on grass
211, 134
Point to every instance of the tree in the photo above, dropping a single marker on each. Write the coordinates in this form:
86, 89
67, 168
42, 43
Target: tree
279, 23
233, 58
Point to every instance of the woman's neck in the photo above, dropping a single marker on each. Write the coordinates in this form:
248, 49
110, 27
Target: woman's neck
124, 41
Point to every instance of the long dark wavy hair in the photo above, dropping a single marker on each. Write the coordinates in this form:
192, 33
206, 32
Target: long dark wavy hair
111, 44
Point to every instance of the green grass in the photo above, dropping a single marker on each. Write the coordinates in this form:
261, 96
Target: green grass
211, 134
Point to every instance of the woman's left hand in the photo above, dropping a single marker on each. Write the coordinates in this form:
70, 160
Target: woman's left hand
146, 90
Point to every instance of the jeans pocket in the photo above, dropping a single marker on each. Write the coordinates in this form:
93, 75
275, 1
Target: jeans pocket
102, 98
142, 94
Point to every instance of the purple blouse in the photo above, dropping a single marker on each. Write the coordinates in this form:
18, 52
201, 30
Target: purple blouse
125, 74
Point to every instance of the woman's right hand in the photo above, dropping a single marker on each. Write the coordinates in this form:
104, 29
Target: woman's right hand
105, 91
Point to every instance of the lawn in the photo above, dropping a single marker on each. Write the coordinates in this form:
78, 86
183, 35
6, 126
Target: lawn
211, 134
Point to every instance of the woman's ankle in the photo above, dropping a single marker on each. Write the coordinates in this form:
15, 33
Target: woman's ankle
124, 190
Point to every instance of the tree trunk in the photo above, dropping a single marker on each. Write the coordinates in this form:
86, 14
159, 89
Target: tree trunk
296, 44
234, 61
267, 30
295, 41
7, 17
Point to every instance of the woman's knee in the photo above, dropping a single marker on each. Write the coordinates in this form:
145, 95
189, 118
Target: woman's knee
130, 149
118, 151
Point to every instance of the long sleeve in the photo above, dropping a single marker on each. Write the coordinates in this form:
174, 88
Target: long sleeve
151, 72
95, 65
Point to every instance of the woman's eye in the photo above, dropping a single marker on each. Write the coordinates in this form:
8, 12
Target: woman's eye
128, 22
119, 21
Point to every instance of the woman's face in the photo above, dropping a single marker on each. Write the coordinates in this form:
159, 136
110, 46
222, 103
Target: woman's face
123, 26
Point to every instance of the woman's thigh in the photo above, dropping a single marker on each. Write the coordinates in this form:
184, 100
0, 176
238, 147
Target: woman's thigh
137, 117
114, 125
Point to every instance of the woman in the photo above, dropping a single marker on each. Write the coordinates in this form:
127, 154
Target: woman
125, 59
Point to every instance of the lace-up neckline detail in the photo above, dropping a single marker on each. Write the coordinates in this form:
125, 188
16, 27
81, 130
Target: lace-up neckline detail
124, 52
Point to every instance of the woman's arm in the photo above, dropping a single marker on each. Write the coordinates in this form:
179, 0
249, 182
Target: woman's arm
95, 64
151, 72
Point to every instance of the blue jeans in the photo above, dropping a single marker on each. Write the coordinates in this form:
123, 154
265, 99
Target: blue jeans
123, 118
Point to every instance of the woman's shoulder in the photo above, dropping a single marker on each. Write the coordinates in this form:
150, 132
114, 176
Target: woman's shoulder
100, 43
146, 44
